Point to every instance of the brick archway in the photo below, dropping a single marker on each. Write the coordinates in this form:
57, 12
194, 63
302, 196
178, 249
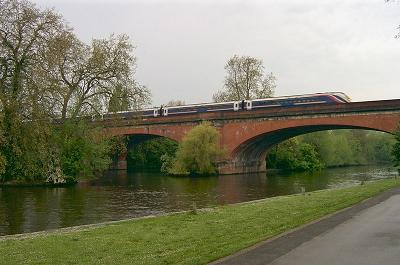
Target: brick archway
120, 160
250, 155
246, 135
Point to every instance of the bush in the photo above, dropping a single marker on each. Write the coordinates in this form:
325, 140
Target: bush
83, 151
24, 151
294, 155
198, 152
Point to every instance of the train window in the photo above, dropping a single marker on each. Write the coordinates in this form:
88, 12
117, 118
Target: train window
236, 106
155, 112
249, 105
165, 112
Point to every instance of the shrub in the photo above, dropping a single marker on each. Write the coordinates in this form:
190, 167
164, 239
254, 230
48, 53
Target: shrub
198, 152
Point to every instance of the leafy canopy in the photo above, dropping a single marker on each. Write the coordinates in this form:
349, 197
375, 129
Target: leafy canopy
245, 79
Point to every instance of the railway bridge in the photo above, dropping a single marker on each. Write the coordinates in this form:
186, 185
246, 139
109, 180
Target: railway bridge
247, 135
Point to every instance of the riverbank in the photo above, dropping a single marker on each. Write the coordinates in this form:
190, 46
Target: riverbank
186, 238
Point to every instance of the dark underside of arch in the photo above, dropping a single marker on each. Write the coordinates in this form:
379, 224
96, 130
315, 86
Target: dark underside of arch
250, 155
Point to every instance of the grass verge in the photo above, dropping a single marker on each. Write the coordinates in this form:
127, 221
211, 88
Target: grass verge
185, 238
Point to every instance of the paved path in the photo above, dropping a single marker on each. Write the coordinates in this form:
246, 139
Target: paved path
366, 234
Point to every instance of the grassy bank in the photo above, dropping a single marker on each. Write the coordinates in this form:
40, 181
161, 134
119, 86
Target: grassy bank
185, 238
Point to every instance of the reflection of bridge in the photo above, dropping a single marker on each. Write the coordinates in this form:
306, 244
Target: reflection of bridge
247, 135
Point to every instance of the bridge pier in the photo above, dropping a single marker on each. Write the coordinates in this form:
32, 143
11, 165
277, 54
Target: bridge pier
243, 166
120, 162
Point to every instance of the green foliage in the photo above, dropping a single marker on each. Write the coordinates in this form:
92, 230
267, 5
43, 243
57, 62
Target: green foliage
294, 155
198, 152
83, 150
148, 154
332, 149
351, 147
396, 148
24, 150
3, 160
167, 163
46, 72
118, 145
119, 100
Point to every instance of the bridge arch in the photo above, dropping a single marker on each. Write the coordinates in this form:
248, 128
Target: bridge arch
249, 155
120, 161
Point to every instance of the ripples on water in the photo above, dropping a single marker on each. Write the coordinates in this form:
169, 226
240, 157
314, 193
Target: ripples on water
119, 195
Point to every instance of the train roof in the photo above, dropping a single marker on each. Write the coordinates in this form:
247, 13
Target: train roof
347, 98
259, 99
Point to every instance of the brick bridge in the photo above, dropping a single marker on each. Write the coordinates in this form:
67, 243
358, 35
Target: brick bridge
247, 135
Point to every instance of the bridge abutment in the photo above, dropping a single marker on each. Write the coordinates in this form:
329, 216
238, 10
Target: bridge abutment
120, 162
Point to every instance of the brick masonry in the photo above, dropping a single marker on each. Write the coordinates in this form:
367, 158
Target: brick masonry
247, 135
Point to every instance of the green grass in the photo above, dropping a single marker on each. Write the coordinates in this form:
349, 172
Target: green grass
185, 238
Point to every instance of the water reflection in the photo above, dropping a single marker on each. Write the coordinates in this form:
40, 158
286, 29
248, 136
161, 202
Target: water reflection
119, 195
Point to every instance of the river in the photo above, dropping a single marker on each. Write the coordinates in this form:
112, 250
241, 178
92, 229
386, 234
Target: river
119, 195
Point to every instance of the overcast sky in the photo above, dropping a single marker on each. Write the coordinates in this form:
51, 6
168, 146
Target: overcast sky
310, 46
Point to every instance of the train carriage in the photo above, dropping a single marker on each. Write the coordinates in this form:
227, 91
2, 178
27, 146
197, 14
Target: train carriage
247, 105
288, 101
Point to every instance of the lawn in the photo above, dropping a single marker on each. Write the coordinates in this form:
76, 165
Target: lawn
184, 238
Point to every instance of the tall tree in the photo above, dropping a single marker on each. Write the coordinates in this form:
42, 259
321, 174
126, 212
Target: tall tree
46, 72
245, 79
24, 33
92, 79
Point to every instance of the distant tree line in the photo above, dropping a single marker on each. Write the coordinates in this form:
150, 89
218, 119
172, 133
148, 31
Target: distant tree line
335, 148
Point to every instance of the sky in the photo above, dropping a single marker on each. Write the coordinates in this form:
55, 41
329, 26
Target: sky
309, 45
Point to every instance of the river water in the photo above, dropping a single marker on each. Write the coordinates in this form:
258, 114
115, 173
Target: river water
120, 195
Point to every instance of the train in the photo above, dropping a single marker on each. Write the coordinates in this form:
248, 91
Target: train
243, 105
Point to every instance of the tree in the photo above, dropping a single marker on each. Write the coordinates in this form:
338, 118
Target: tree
119, 100
24, 33
47, 72
198, 152
87, 80
396, 148
3, 160
295, 155
245, 79
83, 151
